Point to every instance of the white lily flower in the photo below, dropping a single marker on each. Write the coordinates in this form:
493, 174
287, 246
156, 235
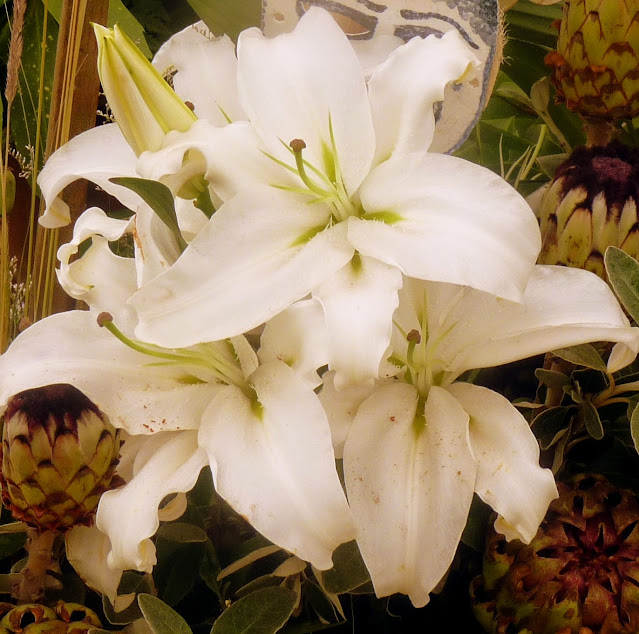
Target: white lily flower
330, 190
259, 426
416, 447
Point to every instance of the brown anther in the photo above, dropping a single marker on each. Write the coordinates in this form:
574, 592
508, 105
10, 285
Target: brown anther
414, 336
189, 105
104, 318
297, 145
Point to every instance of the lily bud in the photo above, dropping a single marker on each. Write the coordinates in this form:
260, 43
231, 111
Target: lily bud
145, 107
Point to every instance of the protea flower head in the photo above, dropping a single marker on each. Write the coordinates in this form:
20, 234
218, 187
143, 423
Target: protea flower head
591, 205
34, 618
59, 452
578, 576
596, 64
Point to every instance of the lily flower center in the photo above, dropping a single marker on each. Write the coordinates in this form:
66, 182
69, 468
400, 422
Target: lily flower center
424, 360
323, 183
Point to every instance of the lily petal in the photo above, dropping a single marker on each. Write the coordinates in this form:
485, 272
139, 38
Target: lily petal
230, 157
100, 278
411, 501
129, 515
203, 71
509, 477
299, 337
136, 395
96, 155
359, 301
341, 407
256, 254
450, 221
275, 465
562, 307
300, 84
403, 95
87, 549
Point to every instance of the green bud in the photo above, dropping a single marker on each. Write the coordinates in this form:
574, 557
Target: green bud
145, 107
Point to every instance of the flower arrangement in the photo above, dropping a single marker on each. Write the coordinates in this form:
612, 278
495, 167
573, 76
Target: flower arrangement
288, 329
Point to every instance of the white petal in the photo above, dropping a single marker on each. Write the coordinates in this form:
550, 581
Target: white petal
299, 337
156, 248
403, 93
87, 549
562, 307
457, 222
620, 357
136, 395
409, 490
359, 301
509, 477
341, 407
100, 278
129, 515
247, 265
371, 53
205, 71
293, 84
96, 155
231, 158
277, 468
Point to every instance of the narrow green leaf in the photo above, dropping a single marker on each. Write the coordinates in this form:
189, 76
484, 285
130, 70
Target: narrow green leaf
262, 612
634, 428
228, 16
182, 532
623, 274
160, 617
24, 111
159, 198
584, 355
551, 378
592, 422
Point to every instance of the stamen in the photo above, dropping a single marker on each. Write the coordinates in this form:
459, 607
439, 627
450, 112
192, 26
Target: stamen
297, 145
217, 366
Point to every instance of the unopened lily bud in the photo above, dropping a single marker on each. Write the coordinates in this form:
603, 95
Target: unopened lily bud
145, 107
59, 453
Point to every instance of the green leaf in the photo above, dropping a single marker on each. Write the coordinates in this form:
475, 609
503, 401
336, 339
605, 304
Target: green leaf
182, 532
592, 422
634, 428
159, 198
262, 612
584, 355
623, 274
348, 571
160, 617
118, 14
210, 569
551, 425
228, 16
25, 107
11, 543
178, 568
551, 378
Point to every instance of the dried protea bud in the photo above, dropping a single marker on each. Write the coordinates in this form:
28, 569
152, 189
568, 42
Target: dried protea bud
33, 618
591, 205
59, 452
578, 576
596, 65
